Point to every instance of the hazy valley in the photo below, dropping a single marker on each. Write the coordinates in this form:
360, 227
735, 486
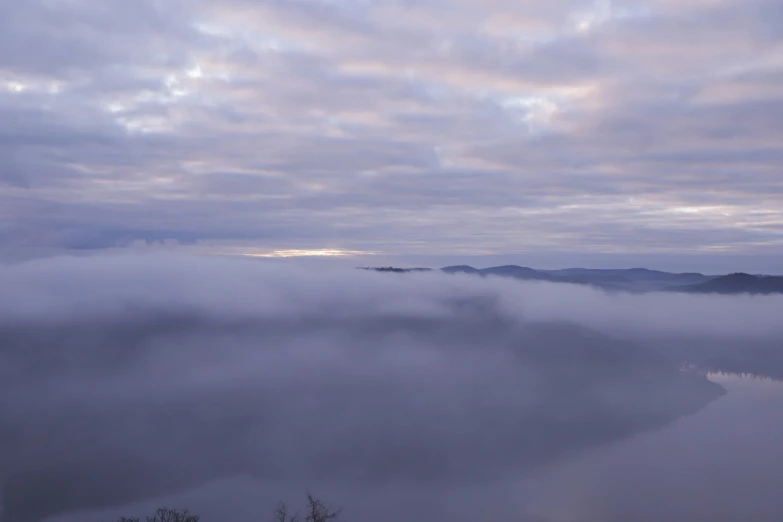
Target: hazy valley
132, 378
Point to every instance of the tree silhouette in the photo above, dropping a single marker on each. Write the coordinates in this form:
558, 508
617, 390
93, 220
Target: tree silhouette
166, 515
317, 511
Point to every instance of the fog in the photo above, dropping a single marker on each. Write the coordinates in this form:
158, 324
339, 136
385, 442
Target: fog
229, 384
73, 288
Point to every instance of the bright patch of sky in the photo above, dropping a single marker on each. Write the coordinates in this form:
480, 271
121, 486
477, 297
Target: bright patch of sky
323, 252
534, 111
603, 11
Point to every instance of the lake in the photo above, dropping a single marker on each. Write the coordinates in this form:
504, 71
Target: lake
725, 463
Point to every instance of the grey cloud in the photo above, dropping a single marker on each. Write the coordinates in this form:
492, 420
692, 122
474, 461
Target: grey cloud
360, 116
72, 37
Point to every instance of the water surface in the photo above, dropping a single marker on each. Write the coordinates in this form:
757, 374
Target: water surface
724, 463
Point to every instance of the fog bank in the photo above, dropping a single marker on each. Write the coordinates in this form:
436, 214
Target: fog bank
68, 289
131, 378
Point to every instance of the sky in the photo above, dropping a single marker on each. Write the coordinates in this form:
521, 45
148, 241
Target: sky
546, 132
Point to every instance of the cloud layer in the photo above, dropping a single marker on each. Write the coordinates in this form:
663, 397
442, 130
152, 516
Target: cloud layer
404, 386
402, 127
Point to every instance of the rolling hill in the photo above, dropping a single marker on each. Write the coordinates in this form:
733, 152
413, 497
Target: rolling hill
737, 283
632, 280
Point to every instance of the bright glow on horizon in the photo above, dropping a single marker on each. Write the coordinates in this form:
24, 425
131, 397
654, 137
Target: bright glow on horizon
325, 252
15, 86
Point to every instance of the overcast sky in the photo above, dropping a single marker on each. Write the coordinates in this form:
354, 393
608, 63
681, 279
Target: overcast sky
405, 128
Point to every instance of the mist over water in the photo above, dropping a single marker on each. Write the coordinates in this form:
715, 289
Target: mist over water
225, 385
722, 464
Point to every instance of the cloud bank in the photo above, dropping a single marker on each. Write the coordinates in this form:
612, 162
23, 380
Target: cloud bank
127, 378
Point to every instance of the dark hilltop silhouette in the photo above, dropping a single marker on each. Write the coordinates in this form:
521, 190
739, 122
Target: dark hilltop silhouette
738, 283
629, 279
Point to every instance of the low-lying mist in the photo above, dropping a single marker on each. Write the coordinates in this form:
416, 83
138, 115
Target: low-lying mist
421, 396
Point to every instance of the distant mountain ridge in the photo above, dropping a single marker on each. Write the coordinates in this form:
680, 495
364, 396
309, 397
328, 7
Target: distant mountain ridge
738, 283
624, 279
632, 279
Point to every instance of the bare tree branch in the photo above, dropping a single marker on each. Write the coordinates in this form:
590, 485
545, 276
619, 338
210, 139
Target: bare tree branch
317, 511
171, 515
